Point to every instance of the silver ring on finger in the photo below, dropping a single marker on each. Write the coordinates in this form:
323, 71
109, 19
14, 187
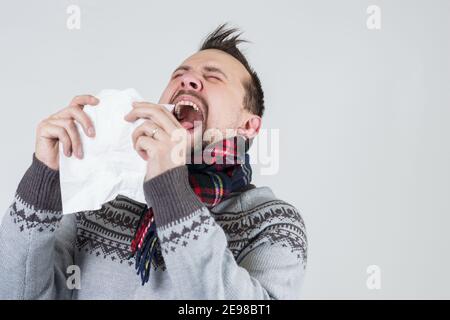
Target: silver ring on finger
154, 131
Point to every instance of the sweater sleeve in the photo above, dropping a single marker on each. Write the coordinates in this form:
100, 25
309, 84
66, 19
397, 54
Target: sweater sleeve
34, 250
197, 257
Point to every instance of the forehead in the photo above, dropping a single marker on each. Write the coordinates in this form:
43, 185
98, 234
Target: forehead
218, 59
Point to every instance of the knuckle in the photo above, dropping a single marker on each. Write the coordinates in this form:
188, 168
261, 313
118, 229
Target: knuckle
76, 98
72, 107
140, 140
68, 123
148, 125
80, 97
56, 114
137, 144
67, 109
61, 132
42, 124
72, 125
63, 139
78, 115
83, 116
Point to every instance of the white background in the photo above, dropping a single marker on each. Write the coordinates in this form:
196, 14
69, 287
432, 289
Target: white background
363, 114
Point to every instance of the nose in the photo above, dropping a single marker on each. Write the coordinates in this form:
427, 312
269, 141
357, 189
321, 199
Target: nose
190, 82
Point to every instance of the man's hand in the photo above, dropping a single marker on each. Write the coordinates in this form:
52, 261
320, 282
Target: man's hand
61, 127
160, 140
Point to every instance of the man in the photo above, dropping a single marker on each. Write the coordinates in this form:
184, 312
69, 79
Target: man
205, 231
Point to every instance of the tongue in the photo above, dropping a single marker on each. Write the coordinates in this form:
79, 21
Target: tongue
187, 125
189, 116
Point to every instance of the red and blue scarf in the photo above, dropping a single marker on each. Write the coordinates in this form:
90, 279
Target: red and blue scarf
226, 169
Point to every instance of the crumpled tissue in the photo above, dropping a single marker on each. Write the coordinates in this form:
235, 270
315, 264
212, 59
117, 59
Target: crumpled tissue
110, 165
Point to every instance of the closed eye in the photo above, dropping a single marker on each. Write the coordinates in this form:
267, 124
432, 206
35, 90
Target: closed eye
213, 77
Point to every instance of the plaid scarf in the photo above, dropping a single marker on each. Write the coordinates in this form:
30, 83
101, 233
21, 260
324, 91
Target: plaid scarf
226, 169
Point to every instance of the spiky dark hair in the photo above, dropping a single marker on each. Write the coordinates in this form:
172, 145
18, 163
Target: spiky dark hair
227, 39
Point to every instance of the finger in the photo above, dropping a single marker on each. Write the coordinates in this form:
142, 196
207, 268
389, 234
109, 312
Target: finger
160, 107
148, 129
143, 146
83, 119
53, 131
75, 110
152, 105
165, 120
82, 100
73, 133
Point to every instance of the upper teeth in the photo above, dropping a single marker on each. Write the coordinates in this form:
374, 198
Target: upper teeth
185, 103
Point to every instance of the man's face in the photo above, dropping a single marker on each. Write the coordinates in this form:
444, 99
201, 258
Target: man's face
207, 90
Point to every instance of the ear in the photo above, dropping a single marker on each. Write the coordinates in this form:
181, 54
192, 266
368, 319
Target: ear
250, 126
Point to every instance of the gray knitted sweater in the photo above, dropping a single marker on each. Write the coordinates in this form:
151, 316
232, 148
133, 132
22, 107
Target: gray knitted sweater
250, 246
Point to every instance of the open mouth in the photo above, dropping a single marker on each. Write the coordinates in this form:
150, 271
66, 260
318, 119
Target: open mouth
189, 114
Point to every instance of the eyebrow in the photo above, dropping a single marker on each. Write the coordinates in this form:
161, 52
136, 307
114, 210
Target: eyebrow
206, 68
184, 68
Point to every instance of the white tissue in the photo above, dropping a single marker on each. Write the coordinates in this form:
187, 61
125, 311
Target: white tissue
110, 165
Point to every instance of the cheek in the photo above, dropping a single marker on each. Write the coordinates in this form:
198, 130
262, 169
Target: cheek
224, 111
